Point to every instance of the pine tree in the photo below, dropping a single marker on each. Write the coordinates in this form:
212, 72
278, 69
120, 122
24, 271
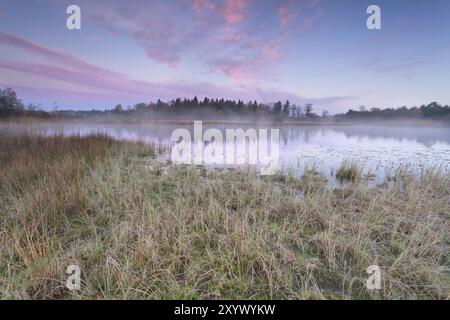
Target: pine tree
277, 108
287, 108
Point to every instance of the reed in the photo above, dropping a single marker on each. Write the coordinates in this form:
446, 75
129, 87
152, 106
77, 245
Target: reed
142, 229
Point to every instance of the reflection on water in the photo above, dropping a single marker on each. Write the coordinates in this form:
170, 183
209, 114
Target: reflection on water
377, 148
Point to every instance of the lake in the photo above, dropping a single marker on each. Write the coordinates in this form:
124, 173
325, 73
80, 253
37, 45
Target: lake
377, 148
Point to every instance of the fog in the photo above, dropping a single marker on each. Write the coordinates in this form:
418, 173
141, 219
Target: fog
378, 148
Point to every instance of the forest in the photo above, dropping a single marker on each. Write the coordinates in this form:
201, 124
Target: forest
220, 109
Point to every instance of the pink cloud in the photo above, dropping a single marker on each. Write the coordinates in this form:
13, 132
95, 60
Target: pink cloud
231, 11
95, 84
156, 26
286, 15
234, 11
92, 80
208, 31
42, 51
257, 50
236, 38
302, 14
233, 36
245, 68
228, 37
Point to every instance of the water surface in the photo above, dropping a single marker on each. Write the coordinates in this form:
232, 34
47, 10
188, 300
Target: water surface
379, 149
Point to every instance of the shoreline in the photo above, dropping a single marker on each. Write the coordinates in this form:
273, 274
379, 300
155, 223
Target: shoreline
103, 120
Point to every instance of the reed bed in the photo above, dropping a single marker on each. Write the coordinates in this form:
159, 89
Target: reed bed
142, 229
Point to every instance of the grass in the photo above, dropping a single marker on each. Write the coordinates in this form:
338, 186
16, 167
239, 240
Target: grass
140, 229
348, 172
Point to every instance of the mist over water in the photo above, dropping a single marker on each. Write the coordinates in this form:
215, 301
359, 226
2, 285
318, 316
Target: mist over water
377, 148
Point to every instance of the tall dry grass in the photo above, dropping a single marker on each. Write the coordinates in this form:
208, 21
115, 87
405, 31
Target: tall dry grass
140, 229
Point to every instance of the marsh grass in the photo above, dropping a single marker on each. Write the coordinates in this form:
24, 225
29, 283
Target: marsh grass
141, 229
349, 172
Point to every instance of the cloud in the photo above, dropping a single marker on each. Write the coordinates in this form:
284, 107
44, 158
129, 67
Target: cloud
298, 15
241, 39
230, 11
285, 15
399, 62
39, 50
200, 6
233, 11
90, 81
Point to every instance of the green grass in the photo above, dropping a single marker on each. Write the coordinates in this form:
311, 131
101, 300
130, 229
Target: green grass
140, 229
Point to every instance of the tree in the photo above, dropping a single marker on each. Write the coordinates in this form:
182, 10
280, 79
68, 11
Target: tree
178, 103
308, 110
118, 109
138, 107
299, 112
287, 108
9, 103
277, 108
195, 102
293, 111
254, 107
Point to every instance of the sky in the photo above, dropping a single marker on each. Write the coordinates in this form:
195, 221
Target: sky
306, 51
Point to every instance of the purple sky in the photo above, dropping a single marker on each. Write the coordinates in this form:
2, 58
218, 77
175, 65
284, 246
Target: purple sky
314, 51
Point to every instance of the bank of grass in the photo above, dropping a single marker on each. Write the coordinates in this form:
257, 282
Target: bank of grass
140, 229
348, 172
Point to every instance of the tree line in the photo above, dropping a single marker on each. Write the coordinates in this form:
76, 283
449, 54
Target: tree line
221, 109
432, 111
218, 108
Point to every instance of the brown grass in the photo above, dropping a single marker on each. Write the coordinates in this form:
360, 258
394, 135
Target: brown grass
140, 229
